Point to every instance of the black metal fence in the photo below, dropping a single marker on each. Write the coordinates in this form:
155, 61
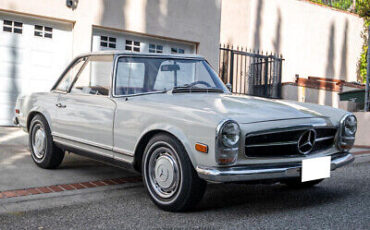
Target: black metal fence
251, 73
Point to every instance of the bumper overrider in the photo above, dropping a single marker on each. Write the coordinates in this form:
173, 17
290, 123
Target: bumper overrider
15, 121
264, 172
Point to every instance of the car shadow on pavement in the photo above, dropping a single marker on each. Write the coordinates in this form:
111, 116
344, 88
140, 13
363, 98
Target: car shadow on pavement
268, 198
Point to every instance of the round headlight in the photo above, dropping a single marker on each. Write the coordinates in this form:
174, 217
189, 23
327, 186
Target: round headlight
350, 126
230, 134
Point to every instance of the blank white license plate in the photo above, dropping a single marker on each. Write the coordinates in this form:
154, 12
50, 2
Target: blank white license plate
315, 168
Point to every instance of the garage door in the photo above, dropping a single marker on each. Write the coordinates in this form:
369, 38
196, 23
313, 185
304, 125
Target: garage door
33, 53
106, 40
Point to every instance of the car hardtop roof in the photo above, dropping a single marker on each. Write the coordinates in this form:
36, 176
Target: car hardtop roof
123, 52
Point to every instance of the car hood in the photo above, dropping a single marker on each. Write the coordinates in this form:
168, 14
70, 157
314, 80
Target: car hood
243, 109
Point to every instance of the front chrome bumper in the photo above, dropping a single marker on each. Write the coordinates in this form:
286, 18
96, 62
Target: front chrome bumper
251, 173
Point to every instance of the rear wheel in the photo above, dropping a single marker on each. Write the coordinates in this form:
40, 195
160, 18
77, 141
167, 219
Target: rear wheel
296, 183
43, 151
169, 176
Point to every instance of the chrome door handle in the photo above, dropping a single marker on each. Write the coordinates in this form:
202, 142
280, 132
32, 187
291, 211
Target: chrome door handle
59, 105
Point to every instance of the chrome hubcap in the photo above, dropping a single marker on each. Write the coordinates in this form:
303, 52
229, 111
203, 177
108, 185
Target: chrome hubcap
164, 172
38, 142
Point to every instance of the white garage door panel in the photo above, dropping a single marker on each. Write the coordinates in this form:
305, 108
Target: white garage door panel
7, 110
9, 84
121, 38
12, 54
30, 63
12, 70
42, 58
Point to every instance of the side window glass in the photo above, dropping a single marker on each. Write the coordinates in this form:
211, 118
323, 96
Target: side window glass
130, 77
95, 76
67, 79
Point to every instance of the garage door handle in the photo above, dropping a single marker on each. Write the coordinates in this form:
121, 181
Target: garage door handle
59, 105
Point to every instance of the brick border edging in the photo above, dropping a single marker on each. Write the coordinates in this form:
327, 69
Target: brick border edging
66, 187
362, 146
362, 152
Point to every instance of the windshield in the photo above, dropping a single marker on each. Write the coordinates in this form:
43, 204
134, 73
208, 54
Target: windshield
135, 75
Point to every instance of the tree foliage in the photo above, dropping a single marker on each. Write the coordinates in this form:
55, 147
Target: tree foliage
363, 9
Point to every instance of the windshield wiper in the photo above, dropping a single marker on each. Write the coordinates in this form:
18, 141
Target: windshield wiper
190, 88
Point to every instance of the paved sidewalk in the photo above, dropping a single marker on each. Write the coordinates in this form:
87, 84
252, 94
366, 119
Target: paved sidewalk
17, 170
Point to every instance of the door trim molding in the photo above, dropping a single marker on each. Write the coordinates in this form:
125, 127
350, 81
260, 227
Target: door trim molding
77, 142
82, 141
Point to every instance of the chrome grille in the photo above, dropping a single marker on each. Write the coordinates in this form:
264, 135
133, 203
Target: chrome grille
285, 143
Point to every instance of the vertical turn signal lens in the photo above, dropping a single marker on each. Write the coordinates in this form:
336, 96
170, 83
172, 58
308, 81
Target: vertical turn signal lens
201, 147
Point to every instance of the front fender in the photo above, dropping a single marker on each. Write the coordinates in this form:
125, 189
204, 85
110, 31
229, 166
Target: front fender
176, 132
38, 110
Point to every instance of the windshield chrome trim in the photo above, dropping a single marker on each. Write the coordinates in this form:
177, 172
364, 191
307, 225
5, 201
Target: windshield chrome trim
114, 75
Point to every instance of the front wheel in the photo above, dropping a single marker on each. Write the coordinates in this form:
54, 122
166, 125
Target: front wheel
169, 176
43, 151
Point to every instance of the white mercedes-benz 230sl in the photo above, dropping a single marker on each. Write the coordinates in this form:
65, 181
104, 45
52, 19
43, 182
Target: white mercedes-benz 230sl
171, 118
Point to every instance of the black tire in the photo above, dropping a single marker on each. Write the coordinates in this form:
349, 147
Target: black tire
52, 156
297, 184
190, 188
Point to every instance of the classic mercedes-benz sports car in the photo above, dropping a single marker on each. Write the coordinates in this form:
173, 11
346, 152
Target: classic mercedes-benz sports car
171, 118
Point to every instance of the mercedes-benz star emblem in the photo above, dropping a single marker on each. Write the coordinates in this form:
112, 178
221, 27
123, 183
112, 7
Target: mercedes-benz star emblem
306, 141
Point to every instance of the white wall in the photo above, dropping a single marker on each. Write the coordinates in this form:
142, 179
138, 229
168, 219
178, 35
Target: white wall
314, 40
310, 95
363, 128
196, 21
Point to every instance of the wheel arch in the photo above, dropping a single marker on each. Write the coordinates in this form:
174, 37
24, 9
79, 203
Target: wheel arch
32, 114
145, 138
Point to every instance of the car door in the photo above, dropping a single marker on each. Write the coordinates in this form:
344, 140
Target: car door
85, 113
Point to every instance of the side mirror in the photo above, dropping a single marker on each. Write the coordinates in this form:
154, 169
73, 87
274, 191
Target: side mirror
229, 87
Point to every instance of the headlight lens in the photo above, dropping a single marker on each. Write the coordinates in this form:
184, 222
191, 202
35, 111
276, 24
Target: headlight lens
348, 128
230, 134
227, 144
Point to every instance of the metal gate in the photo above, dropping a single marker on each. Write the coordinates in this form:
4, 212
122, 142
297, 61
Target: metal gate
251, 73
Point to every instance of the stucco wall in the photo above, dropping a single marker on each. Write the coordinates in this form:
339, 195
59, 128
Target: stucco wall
363, 130
197, 21
314, 40
310, 95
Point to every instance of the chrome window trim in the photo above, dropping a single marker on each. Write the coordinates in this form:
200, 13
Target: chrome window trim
73, 62
82, 68
118, 56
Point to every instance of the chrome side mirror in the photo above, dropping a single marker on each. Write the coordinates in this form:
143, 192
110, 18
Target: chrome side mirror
229, 87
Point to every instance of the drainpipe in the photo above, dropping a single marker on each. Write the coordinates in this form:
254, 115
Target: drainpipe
367, 103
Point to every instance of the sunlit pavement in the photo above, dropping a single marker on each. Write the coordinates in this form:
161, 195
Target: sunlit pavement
17, 171
340, 202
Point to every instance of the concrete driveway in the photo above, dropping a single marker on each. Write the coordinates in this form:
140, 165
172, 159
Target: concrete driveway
17, 170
